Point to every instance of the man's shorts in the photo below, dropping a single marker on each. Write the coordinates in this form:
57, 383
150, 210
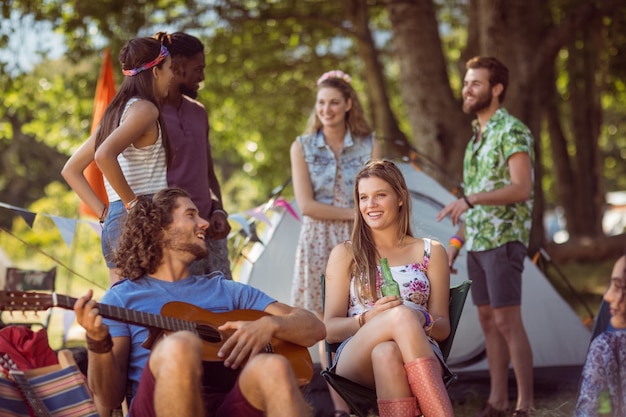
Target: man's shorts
496, 275
216, 404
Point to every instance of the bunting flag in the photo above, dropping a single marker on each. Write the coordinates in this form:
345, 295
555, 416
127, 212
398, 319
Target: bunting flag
105, 91
247, 226
66, 226
259, 214
281, 202
241, 221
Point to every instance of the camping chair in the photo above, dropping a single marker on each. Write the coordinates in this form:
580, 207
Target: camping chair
30, 280
362, 399
53, 390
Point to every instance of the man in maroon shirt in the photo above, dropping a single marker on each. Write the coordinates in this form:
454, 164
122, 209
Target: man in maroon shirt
187, 125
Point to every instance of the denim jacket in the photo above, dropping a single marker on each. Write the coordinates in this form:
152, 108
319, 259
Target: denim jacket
322, 164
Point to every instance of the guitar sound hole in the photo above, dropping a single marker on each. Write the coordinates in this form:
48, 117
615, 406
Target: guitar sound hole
208, 333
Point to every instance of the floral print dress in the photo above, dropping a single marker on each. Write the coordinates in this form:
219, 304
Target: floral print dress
413, 282
604, 371
317, 240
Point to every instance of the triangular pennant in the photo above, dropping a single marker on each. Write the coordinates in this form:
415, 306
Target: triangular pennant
240, 220
28, 216
96, 227
281, 202
67, 227
258, 214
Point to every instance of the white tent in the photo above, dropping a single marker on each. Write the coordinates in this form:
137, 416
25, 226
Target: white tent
556, 333
5, 263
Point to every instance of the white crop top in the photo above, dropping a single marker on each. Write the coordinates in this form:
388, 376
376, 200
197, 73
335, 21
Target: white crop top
144, 168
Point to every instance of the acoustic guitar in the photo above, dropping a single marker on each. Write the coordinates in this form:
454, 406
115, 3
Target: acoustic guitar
175, 316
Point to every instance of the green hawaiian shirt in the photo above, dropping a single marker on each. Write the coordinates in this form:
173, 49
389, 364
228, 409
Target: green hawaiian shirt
485, 168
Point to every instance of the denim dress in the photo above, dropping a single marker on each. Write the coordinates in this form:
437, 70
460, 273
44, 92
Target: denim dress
333, 183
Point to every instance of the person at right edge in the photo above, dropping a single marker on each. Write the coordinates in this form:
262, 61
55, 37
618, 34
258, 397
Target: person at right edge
191, 167
498, 201
602, 390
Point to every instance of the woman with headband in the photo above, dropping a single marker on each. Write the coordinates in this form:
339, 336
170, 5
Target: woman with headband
130, 145
336, 144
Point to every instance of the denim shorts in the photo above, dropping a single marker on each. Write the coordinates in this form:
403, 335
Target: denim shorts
112, 231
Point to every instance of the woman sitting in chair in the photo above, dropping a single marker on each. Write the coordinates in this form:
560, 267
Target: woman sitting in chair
389, 342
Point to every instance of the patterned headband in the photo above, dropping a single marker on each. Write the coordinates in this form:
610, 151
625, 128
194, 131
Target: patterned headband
162, 54
334, 74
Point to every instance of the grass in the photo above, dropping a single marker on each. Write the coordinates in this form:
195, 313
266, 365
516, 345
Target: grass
557, 405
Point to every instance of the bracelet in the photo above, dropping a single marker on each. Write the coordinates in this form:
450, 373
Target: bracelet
100, 346
103, 216
219, 211
132, 203
430, 322
470, 205
362, 319
456, 242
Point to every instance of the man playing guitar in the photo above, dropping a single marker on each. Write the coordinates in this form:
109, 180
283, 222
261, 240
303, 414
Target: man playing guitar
161, 237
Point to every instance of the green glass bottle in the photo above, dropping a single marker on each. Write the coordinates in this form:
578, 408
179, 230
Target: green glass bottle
389, 285
604, 405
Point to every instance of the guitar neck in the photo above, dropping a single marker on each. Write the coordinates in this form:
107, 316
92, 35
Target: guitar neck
131, 316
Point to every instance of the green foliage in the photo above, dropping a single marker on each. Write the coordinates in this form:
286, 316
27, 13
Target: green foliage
44, 115
260, 90
263, 58
24, 245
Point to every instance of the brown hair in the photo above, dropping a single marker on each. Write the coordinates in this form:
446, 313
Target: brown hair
498, 72
140, 249
355, 117
134, 54
364, 250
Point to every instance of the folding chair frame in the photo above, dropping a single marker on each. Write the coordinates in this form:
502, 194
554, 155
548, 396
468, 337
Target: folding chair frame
361, 399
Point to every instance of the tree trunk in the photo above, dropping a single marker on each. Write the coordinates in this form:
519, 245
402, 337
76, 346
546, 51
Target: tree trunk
395, 142
561, 161
440, 129
586, 110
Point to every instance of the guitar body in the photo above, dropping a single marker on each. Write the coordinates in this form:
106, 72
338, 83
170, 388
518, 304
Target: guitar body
206, 324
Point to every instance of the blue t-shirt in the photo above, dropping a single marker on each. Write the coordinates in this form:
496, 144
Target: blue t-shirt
149, 294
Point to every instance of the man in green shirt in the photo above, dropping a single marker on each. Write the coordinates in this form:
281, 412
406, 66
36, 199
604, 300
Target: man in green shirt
498, 177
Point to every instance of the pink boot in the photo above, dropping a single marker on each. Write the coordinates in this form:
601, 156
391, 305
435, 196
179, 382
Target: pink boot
424, 375
398, 407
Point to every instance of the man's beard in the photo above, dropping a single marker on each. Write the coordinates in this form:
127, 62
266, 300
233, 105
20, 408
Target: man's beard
195, 250
174, 243
189, 92
482, 102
